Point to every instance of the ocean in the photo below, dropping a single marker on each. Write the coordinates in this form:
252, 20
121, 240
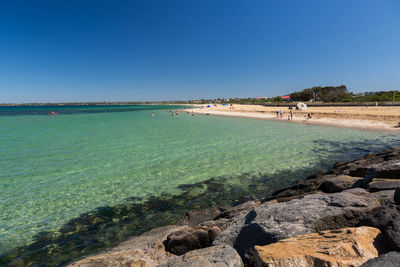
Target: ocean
91, 176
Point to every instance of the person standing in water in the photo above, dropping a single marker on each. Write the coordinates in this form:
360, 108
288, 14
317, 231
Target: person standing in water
153, 114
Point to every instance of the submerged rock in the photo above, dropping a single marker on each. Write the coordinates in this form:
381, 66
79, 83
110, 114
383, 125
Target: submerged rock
299, 189
345, 247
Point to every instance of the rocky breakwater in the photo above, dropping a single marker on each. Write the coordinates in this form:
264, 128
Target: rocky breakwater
347, 216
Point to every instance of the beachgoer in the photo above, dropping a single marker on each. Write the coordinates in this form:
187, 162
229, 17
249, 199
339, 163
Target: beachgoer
291, 114
309, 116
153, 114
277, 114
281, 112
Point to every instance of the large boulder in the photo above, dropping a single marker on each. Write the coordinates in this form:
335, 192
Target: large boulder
338, 183
379, 184
222, 256
361, 167
387, 219
388, 169
185, 240
391, 259
272, 222
346, 247
145, 250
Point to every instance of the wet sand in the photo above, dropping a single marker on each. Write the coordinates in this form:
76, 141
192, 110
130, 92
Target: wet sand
361, 117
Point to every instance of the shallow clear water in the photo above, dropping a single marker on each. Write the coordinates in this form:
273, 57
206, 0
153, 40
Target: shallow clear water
54, 168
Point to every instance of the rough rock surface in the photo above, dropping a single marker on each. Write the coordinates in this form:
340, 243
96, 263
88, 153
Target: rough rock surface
383, 196
358, 193
185, 240
396, 196
269, 223
386, 218
338, 183
391, 259
343, 247
383, 184
217, 256
388, 169
144, 250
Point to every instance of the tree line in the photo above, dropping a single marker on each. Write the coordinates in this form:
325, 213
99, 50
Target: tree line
326, 94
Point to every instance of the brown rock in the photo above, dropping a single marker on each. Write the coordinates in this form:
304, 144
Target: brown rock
129, 258
141, 251
343, 247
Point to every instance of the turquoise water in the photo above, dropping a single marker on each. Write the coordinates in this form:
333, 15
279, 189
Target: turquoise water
55, 168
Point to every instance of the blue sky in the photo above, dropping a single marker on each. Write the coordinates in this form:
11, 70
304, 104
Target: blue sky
77, 50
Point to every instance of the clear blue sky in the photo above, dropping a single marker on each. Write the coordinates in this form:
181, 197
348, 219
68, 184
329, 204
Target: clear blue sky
77, 50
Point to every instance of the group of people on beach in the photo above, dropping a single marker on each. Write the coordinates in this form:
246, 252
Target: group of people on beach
290, 117
279, 114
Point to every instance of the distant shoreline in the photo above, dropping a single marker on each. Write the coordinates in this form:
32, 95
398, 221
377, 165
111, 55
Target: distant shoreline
89, 104
346, 117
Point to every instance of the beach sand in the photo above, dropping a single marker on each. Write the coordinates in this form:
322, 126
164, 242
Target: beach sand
361, 117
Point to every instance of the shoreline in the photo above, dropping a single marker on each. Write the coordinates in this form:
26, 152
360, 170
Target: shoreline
319, 118
161, 244
333, 213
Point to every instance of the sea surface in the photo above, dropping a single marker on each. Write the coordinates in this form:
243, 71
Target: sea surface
94, 175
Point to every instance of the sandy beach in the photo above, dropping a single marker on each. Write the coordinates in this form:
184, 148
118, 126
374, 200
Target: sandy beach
373, 117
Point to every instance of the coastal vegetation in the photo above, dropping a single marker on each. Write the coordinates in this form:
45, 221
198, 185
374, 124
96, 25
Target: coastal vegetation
318, 95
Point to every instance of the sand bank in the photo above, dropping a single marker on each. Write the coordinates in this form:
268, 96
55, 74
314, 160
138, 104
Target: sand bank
374, 118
